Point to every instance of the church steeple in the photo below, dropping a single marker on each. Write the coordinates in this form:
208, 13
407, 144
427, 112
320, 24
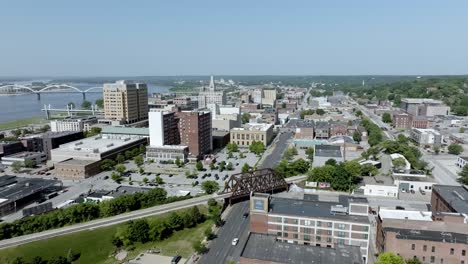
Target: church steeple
212, 84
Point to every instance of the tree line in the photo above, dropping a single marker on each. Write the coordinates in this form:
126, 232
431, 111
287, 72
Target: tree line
86, 212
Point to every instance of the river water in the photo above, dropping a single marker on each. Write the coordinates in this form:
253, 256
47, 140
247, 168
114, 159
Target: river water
25, 106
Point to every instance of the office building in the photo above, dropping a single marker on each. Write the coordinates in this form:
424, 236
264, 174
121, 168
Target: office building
269, 97
244, 136
426, 136
424, 107
312, 222
211, 96
76, 124
10, 147
402, 121
163, 128
224, 117
125, 102
195, 132
47, 141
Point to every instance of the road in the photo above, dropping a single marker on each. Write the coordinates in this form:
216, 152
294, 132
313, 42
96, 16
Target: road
376, 120
156, 210
221, 248
276, 153
440, 173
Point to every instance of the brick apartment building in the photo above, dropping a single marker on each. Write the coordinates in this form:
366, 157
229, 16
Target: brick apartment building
195, 132
312, 222
402, 121
446, 198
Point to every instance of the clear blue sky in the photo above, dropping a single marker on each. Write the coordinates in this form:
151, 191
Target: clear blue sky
176, 37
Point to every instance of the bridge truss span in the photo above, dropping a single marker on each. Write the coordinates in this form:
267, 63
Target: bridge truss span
264, 180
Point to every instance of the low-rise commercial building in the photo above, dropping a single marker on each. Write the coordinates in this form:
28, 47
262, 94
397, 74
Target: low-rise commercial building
77, 124
45, 142
312, 222
402, 121
36, 157
323, 153
244, 137
462, 161
447, 198
120, 131
424, 107
167, 153
426, 136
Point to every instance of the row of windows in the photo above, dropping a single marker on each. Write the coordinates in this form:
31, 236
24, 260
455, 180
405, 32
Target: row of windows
319, 223
248, 136
452, 250
432, 259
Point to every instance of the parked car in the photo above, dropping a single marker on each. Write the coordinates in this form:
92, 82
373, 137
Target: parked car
176, 259
235, 241
245, 215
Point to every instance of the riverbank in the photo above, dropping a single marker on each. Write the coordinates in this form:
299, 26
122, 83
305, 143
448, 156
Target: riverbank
22, 122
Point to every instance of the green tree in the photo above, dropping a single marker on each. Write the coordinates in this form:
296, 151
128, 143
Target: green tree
159, 180
461, 130
463, 175
145, 180
107, 164
230, 156
210, 187
86, 105
357, 136
245, 168
436, 149
199, 166
120, 158
222, 166
116, 177
232, 147
245, 118
212, 166
331, 162
413, 261
358, 113
320, 111
290, 153
369, 170
44, 128
229, 166
178, 162
455, 149
310, 153
306, 112
138, 231
73, 256
16, 166
257, 147
386, 118
199, 247
389, 258
399, 163
93, 132
138, 160
30, 163
175, 221
120, 168
99, 102
322, 174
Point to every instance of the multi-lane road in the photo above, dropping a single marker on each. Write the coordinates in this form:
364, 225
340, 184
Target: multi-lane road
236, 226
156, 210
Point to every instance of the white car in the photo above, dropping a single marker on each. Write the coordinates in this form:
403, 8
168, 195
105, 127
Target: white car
235, 241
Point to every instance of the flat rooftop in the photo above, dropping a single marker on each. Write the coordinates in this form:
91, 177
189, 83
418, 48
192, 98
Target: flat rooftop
456, 196
421, 101
52, 134
25, 187
438, 231
327, 151
267, 248
77, 162
23, 154
140, 131
311, 208
254, 127
97, 144
413, 178
385, 214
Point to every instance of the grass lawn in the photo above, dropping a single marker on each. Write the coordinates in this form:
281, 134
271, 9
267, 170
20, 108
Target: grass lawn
95, 245
21, 122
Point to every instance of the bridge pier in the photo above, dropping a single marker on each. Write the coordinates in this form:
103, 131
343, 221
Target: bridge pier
38, 96
84, 95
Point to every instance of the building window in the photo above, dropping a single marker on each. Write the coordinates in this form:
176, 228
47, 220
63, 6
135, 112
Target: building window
341, 242
278, 227
319, 223
425, 248
307, 222
329, 224
433, 249
285, 234
342, 234
365, 236
307, 237
294, 228
329, 240
463, 252
432, 259
285, 220
306, 230
329, 232
279, 234
452, 251
413, 246
317, 238
295, 236
341, 226
279, 219
294, 221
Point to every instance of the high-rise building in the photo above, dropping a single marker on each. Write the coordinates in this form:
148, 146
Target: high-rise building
163, 128
195, 132
125, 101
211, 96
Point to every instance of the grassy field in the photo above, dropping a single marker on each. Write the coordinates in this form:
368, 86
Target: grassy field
21, 122
95, 245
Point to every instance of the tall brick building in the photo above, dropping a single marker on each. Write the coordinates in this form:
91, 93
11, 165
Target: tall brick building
195, 132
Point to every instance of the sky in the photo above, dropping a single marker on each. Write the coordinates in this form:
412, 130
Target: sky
242, 37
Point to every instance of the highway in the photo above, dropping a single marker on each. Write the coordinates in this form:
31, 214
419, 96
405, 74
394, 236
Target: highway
156, 210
